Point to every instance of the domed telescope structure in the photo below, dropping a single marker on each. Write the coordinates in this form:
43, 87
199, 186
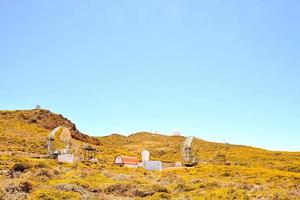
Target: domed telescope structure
145, 156
188, 156
59, 141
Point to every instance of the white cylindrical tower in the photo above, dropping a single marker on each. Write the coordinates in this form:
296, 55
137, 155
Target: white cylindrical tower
145, 156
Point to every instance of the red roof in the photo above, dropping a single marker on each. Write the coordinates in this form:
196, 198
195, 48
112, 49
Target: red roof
129, 160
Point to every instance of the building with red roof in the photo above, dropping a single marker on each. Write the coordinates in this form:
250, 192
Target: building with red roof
127, 161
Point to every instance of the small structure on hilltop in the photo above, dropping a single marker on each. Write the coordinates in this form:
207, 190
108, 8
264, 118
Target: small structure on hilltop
127, 161
176, 133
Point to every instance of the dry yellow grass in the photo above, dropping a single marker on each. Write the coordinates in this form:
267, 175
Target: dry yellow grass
249, 173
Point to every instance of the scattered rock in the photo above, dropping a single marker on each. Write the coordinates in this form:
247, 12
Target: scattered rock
25, 186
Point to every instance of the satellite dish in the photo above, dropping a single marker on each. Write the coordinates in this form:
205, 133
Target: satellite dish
60, 133
188, 156
59, 139
145, 155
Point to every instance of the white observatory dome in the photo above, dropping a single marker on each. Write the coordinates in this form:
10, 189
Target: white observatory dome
145, 156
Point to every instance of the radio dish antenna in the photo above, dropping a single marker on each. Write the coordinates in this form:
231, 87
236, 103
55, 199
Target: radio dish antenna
188, 156
59, 140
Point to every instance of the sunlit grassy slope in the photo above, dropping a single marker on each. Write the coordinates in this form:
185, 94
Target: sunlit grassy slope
246, 172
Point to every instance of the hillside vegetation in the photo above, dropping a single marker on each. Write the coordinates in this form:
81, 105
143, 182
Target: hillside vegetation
46, 120
241, 173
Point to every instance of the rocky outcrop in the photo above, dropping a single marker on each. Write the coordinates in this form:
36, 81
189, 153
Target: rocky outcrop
48, 120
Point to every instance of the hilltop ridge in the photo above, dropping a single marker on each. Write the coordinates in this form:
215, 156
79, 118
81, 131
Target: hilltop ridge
47, 120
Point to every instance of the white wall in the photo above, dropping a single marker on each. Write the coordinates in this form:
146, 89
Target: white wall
66, 158
131, 166
153, 165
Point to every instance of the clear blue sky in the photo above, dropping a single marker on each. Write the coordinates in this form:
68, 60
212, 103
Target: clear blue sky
226, 71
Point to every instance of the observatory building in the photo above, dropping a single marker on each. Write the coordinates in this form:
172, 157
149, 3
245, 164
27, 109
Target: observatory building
150, 165
145, 156
133, 162
127, 161
153, 165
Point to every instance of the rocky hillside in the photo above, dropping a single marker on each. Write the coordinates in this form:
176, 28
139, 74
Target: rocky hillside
242, 172
46, 120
